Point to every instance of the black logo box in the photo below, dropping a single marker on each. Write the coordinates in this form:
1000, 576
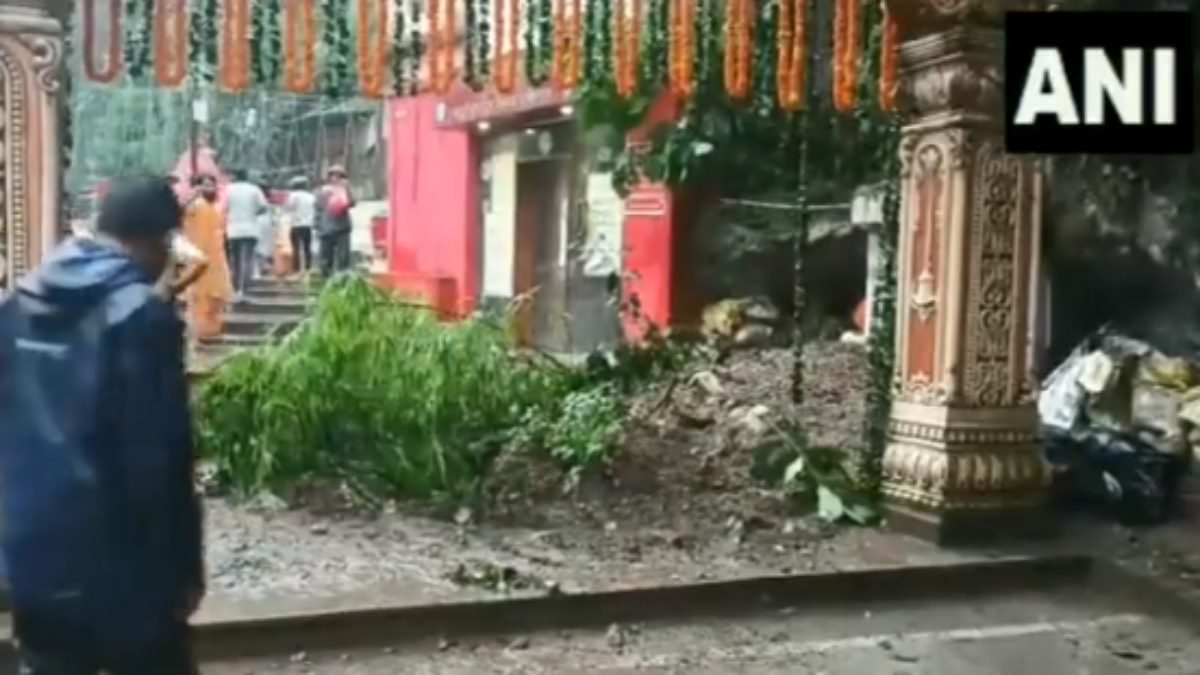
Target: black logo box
1070, 33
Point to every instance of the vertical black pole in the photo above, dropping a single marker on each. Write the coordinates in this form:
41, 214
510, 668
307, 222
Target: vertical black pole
193, 129
800, 234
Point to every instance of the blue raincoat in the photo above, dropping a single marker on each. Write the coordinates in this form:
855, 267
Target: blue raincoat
100, 526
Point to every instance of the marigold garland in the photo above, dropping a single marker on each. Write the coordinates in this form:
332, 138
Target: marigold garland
791, 72
627, 25
443, 35
889, 62
372, 47
235, 46
567, 62
847, 43
111, 69
682, 75
739, 47
573, 69
300, 46
170, 42
506, 56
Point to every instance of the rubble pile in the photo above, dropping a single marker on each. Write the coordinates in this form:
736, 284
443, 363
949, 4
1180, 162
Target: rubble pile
1121, 425
736, 403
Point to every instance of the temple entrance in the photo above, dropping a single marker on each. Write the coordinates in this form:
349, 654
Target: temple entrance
962, 441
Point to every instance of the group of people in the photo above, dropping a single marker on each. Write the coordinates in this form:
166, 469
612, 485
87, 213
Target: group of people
101, 546
230, 238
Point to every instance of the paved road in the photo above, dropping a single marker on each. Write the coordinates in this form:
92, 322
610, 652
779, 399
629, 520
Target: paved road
1065, 634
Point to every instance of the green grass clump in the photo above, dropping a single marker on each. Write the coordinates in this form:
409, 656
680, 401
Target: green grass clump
380, 396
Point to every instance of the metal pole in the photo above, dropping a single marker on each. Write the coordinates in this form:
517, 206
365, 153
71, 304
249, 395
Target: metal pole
193, 129
800, 234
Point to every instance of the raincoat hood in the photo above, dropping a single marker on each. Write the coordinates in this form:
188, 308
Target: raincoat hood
76, 276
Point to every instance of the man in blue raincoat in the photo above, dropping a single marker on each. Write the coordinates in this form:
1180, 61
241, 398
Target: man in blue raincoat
100, 526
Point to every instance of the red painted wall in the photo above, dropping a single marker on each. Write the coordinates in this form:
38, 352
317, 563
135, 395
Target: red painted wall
433, 199
655, 225
434, 230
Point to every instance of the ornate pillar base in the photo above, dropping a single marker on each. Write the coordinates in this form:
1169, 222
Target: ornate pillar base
962, 463
965, 476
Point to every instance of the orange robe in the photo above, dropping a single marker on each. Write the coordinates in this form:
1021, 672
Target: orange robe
209, 296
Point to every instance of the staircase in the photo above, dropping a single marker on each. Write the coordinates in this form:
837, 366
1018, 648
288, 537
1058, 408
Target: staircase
270, 308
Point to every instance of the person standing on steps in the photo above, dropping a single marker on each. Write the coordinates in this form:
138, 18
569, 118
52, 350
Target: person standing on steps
245, 203
334, 227
210, 293
302, 207
264, 252
102, 536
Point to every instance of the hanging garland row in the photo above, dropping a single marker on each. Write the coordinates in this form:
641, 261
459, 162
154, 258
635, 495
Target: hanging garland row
235, 46
299, 47
275, 43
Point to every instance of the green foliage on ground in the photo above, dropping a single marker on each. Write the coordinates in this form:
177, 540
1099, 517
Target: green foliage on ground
378, 395
817, 478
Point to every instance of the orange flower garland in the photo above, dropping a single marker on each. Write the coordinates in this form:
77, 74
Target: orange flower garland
506, 20
443, 35
170, 42
792, 70
627, 45
574, 71
112, 58
235, 46
847, 43
300, 46
739, 47
683, 47
567, 65
373, 50
889, 66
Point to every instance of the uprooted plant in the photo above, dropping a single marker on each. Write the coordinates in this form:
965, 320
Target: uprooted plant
377, 395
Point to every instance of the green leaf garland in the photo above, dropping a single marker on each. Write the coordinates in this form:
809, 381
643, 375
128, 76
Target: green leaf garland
202, 41
655, 47
272, 66
471, 76
484, 63
139, 32
416, 48
399, 60
335, 36
881, 349
538, 40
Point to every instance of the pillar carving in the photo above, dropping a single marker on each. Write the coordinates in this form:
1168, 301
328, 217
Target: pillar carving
962, 458
31, 52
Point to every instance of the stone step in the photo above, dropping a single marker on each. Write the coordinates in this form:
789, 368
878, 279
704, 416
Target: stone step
245, 323
289, 306
279, 293
235, 340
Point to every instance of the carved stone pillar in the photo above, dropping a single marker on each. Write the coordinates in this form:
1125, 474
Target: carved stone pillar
31, 49
962, 461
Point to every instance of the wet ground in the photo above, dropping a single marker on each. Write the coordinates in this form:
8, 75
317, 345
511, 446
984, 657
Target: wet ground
678, 506
1068, 633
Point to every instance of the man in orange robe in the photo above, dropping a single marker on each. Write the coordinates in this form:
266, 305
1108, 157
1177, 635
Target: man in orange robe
209, 295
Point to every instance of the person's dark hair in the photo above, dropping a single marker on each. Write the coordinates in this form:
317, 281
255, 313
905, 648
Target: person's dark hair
201, 179
239, 174
299, 183
172, 179
140, 208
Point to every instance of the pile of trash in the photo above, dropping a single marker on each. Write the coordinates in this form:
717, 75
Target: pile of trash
1121, 425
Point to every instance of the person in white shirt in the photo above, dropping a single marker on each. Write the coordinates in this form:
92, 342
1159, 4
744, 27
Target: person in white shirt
245, 203
302, 207
267, 236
